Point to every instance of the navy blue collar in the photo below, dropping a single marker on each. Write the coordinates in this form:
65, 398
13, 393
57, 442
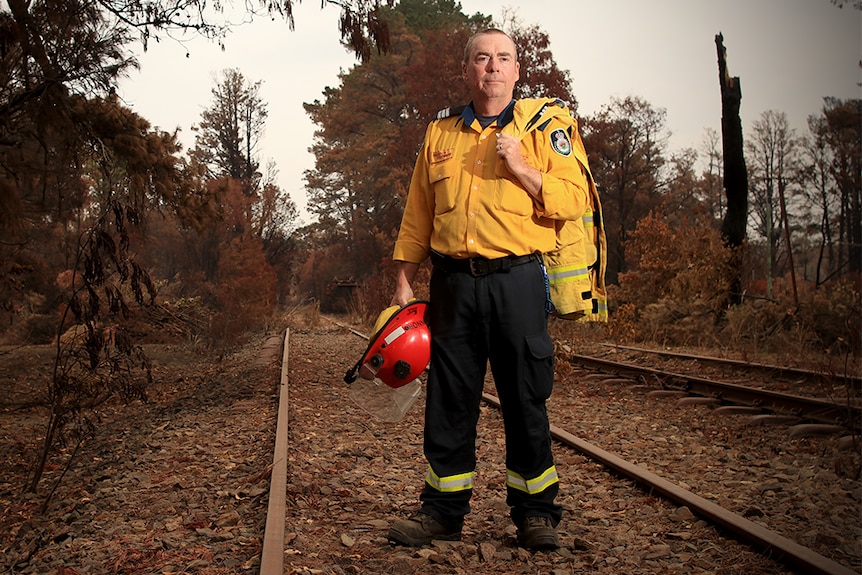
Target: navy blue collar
505, 117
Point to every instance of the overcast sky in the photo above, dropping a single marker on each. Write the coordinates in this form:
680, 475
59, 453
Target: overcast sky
789, 55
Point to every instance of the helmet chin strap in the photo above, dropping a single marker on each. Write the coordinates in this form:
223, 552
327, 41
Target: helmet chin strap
350, 375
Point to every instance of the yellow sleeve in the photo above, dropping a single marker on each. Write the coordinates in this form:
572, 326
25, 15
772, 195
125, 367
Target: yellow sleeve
414, 236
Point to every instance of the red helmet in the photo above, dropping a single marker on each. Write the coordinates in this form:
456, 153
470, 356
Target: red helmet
400, 349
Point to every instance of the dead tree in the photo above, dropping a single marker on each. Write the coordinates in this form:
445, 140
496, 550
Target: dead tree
735, 172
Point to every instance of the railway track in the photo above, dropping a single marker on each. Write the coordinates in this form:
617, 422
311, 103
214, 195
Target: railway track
766, 540
833, 415
769, 542
851, 381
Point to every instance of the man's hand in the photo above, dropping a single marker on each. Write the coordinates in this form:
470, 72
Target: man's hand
404, 275
509, 150
402, 295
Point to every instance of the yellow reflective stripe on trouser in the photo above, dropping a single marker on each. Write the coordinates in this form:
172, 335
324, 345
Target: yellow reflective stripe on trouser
532, 486
449, 484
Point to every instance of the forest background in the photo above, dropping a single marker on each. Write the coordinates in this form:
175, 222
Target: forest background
212, 233
113, 235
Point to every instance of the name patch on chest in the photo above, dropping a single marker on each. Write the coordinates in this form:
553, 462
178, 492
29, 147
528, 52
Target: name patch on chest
441, 155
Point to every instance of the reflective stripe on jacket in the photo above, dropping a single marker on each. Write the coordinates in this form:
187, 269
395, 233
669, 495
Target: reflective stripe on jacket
576, 269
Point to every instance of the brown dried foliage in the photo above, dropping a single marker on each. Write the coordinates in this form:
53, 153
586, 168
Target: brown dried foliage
677, 294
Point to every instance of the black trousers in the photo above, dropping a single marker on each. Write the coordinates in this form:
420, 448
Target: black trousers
498, 318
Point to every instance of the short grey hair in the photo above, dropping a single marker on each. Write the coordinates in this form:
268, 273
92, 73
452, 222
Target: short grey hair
472, 40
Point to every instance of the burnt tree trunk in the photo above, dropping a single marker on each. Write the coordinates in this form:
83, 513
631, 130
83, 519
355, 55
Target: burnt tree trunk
735, 172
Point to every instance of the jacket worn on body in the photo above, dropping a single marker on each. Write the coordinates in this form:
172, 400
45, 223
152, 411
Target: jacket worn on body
463, 201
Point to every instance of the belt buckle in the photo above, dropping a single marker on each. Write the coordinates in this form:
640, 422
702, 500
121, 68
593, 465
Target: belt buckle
479, 267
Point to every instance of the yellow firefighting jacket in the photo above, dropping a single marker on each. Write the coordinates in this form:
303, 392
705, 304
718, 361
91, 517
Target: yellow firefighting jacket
576, 266
464, 202
475, 207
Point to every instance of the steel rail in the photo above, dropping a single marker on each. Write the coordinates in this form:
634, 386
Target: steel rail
272, 556
853, 381
780, 547
824, 411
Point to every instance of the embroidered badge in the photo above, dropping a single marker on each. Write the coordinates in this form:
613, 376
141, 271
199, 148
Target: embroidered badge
441, 155
560, 142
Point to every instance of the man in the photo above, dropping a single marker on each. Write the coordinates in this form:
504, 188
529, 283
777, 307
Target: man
490, 181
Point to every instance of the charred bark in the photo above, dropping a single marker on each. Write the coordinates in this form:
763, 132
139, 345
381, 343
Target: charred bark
735, 171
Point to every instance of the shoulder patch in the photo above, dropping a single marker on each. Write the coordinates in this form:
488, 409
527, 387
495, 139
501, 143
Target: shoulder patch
449, 112
560, 142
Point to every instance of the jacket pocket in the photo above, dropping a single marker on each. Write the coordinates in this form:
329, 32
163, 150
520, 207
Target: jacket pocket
442, 177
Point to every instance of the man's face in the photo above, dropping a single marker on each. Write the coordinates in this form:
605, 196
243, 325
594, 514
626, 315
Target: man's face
492, 69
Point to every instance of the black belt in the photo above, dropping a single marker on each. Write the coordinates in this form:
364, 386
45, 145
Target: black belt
479, 266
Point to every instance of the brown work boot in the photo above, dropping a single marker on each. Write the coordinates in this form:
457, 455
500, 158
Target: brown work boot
538, 534
421, 529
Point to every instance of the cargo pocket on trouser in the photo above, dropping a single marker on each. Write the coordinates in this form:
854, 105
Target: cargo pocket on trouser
540, 367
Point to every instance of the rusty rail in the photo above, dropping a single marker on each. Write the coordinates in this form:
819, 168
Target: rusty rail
824, 411
854, 382
780, 547
272, 557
